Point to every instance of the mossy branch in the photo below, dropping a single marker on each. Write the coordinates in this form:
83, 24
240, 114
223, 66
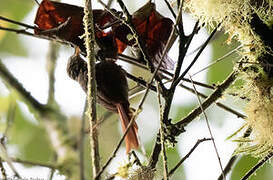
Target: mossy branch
162, 137
92, 89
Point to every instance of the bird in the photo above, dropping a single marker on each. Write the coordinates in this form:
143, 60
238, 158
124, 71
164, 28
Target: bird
112, 91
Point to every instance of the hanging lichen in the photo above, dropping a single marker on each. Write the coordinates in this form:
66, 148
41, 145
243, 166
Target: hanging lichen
249, 22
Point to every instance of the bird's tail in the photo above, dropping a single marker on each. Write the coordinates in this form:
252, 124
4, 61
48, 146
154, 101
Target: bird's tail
131, 140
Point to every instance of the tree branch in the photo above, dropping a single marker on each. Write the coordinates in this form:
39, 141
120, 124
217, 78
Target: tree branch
179, 126
217, 93
47, 165
24, 32
92, 88
220, 105
16, 22
12, 81
176, 82
162, 137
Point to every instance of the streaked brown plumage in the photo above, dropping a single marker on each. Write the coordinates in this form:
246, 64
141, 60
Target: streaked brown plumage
112, 91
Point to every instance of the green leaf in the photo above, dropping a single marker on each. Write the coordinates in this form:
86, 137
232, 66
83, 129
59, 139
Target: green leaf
14, 10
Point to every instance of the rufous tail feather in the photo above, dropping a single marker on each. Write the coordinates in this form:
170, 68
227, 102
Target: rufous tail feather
131, 140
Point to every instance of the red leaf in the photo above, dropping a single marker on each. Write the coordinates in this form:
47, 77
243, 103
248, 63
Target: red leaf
153, 29
51, 15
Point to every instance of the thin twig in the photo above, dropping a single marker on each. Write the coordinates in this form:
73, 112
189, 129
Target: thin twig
115, 150
218, 60
158, 68
52, 171
224, 107
40, 36
118, 146
47, 165
143, 83
228, 166
141, 46
92, 89
8, 159
37, 2
183, 48
165, 73
170, 8
217, 93
103, 118
51, 174
179, 21
12, 81
210, 131
16, 22
137, 161
139, 41
257, 166
187, 155
196, 57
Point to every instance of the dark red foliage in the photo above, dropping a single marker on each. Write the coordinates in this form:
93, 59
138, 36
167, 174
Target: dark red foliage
51, 15
64, 21
153, 29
